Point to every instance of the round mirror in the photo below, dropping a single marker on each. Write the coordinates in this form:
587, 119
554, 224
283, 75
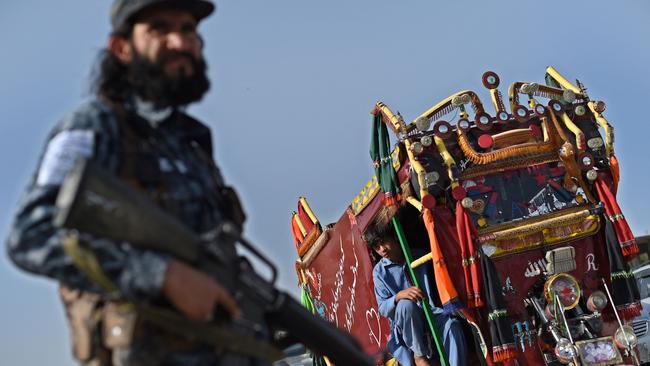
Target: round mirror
521, 112
491, 79
463, 124
484, 120
503, 116
586, 161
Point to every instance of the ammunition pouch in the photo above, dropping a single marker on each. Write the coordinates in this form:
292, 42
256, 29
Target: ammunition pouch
118, 325
95, 326
83, 314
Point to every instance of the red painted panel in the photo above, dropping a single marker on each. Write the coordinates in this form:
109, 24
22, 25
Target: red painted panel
344, 292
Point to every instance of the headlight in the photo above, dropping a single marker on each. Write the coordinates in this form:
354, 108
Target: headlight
426, 141
623, 333
599, 106
417, 148
431, 178
540, 110
467, 202
565, 287
596, 301
422, 124
585, 161
529, 88
595, 143
569, 96
461, 100
592, 175
564, 351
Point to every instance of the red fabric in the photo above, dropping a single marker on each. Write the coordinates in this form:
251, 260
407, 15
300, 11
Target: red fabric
629, 311
466, 232
304, 218
448, 241
297, 234
616, 172
446, 290
626, 239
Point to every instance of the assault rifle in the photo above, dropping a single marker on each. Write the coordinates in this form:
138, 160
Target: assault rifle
95, 202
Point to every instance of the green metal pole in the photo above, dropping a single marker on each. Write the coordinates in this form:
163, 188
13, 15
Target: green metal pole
425, 302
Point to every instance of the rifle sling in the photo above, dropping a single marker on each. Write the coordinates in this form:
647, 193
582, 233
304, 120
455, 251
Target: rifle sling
209, 333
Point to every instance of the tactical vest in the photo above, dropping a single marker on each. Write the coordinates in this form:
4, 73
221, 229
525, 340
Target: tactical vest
102, 331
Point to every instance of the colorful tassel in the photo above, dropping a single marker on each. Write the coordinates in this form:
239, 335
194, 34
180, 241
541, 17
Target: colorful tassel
466, 231
626, 239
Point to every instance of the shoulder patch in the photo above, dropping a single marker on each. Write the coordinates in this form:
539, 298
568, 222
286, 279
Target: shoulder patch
61, 153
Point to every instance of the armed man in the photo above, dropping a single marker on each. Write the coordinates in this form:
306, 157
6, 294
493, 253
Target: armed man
136, 128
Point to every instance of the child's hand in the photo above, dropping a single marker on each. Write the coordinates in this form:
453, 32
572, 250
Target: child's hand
412, 293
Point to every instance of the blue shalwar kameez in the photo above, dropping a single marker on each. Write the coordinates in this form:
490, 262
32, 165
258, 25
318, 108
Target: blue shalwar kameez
409, 332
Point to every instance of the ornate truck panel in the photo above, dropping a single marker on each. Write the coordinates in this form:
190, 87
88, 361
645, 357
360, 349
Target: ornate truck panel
515, 206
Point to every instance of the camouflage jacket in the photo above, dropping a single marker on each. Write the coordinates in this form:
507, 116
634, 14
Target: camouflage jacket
174, 152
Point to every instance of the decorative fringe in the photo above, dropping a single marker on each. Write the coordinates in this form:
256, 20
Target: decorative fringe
390, 199
504, 352
626, 239
629, 248
469, 255
629, 311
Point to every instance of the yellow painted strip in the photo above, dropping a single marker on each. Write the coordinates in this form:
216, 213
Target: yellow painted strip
417, 204
447, 158
394, 120
308, 210
494, 95
300, 225
609, 130
422, 260
419, 169
566, 84
580, 136
431, 111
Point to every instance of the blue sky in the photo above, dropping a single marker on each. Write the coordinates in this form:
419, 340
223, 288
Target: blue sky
293, 84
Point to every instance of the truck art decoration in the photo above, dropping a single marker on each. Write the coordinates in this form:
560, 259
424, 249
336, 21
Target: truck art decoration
517, 210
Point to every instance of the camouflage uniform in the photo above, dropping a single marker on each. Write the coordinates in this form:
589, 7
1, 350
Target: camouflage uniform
170, 158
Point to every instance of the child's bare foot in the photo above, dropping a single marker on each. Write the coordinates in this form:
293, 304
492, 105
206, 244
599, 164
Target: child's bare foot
421, 361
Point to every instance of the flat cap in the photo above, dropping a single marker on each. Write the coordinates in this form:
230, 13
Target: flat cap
123, 12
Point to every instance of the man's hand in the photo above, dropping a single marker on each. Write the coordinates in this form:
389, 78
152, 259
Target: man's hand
194, 293
412, 293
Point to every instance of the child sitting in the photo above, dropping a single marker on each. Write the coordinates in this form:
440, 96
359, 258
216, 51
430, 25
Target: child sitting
400, 301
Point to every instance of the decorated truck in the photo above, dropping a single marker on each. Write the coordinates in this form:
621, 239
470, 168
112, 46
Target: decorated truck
515, 205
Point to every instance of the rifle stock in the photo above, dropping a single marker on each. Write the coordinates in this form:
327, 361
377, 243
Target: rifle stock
95, 202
